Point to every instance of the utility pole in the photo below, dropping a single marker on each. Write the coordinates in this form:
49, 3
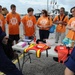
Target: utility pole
47, 5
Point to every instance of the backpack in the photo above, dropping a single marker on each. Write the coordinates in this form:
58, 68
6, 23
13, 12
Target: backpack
62, 18
52, 28
61, 26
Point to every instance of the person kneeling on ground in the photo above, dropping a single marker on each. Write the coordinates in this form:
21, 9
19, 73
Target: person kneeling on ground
6, 65
8, 49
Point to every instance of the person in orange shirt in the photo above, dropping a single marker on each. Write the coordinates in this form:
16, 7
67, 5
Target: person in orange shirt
29, 22
61, 21
13, 20
2, 20
44, 23
70, 37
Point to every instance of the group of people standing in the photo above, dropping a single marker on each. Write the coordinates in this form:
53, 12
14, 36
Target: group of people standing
44, 23
29, 22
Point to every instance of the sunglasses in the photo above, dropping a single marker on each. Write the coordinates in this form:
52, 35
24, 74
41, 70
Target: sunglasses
43, 13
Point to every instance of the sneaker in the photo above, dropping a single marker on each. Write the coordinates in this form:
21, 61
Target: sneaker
55, 59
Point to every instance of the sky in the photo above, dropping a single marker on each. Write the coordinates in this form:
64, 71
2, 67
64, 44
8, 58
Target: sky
22, 5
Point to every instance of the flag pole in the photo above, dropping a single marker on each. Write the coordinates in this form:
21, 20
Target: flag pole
47, 5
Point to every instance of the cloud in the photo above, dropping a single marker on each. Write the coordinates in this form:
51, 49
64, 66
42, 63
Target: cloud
33, 2
68, 4
22, 5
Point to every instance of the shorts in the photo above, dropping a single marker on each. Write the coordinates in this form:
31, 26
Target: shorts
44, 34
14, 37
70, 62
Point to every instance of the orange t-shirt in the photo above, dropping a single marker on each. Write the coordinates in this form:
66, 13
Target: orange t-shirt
44, 21
2, 22
71, 33
29, 25
13, 20
61, 28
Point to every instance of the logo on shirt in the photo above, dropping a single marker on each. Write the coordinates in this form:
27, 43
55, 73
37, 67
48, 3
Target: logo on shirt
73, 24
29, 23
43, 22
0, 23
13, 21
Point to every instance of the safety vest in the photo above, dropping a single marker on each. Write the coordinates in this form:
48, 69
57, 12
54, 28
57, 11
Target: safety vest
38, 48
63, 53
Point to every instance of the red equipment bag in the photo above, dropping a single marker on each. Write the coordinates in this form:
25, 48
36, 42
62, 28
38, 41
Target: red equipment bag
63, 52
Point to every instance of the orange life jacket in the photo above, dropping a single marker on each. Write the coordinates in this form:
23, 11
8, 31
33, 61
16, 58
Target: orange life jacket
63, 52
38, 48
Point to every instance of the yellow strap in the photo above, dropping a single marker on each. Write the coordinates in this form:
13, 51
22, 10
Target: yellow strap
1, 73
30, 46
38, 53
